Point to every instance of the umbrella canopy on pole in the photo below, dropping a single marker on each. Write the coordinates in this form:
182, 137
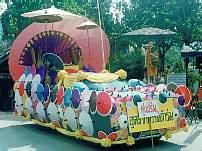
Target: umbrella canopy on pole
152, 34
149, 32
87, 25
100, 23
48, 15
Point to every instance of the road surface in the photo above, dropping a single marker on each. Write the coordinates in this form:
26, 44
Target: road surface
18, 135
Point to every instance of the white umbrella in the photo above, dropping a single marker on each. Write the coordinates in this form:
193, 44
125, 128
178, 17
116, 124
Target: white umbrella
52, 112
18, 103
40, 111
87, 25
48, 15
28, 106
150, 32
70, 116
86, 123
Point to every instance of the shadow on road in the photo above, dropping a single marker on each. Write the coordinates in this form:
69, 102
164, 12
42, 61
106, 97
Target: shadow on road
36, 138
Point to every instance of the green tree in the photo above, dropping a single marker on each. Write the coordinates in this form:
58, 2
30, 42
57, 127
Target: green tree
181, 16
13, 23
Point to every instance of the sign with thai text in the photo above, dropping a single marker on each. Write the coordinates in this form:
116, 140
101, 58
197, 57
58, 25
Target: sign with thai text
157, 114
148, 108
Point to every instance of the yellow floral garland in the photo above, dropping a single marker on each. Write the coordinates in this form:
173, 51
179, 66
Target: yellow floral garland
105, 76
78, 134
168, 134
121, 73
130, 141
106, 142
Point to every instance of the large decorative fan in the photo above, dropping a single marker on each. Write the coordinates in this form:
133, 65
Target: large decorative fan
54, 42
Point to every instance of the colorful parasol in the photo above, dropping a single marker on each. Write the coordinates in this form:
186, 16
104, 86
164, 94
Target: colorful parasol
28, 106
28, 79
92, 102
46, 92
104, 104
161, 87
62, 40
40, 91
40, 111
137, 99
60, 95
135, 83
184, 91
85, 97
76, 98
67, 97
54, 60
163, 97
70, 116
86, 124
171, 86
52, 112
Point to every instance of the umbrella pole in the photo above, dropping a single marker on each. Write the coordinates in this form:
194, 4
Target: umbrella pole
89, 53
102, 47
45, 37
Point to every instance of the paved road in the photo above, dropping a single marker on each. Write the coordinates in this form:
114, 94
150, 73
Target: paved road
16, 135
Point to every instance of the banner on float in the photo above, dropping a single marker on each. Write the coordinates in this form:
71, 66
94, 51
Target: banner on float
161, 116
148, 109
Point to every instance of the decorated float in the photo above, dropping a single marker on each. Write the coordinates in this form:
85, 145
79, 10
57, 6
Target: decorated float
62, 85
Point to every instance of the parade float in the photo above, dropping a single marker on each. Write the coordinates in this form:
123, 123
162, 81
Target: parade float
61, 83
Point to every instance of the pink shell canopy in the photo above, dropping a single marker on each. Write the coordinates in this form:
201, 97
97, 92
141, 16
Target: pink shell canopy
69, 27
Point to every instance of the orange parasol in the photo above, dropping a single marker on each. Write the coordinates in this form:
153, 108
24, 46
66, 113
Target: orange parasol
183, 90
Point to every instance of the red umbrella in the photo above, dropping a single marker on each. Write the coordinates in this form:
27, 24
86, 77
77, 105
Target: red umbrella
183, 90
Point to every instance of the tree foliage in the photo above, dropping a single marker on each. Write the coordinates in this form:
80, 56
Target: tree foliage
13, 23
181, 16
